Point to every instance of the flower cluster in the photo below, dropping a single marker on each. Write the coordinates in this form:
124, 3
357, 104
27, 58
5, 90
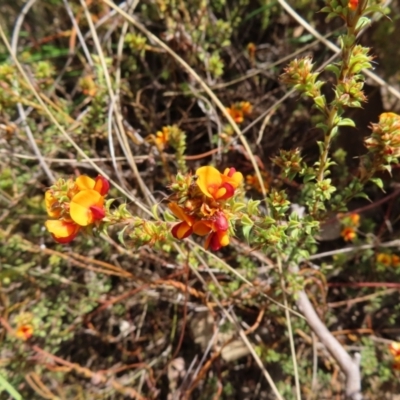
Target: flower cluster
388, 260
238, 111
74, 205
350, 223
201, 205
385, 138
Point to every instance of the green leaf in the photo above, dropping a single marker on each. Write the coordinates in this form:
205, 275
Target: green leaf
334, 131
362, 23
378, 182
373, 9
269, 220
331, 15
333, 68
363, 196
304, 254
293, 223
108, 203
154, 211
388, 168
320, 102
238, 207
168, 217
252, 207
346, 122
326, 9
294, 234
246, 231
308, 177
246, 221
323, 126
121, 236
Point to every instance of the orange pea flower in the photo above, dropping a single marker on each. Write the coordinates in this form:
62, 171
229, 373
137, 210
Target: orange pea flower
100, 184
354, 219
348, 234
236, 114
24, 332
351, 223
218, 186
185, 228
87, 206
61, 230
246, 107
75, 204
384, 258
395, 260
204, 211
389, 260
239, 110
219, 236
216, 240
162, 137
216, 227
216, 223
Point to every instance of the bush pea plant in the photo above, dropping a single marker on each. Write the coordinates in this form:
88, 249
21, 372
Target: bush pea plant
221, 220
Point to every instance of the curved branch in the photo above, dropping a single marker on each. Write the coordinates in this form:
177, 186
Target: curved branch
348, 365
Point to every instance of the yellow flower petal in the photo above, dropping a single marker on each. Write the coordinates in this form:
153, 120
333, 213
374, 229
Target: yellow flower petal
209, 180
61, 229
232, 177
84, 182
80, 206
223, 237
216, 240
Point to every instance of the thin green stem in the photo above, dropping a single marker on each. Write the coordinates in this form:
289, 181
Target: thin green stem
327, 142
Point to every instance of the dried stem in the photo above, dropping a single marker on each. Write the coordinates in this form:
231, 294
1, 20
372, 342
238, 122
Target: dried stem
348, 365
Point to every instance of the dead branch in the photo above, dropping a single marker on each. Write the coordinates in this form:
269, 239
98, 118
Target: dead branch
348, 365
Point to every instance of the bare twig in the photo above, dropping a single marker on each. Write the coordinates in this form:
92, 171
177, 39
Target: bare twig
21, 110
348, 365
